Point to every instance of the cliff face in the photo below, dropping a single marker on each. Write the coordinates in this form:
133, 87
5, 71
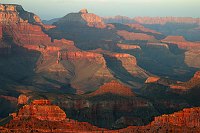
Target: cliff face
187, 117
25, 28
191, 56
186, 86
129, 63
42, 116
41, 110
58, 59
174, 39
186, 120
98, 58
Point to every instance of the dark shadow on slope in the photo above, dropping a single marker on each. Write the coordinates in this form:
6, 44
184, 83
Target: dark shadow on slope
65, 88
164, 62
186, 30
85, 38
119, 71
16, 65
129, 29
19, 64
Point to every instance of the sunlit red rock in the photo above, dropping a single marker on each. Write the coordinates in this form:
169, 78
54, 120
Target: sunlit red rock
185, 86
82, 18
42, 116
186, 120
174, 39
22, 99
181, 42
152, 80
128, 47
42, 110
129, 62
113, 87
187, 117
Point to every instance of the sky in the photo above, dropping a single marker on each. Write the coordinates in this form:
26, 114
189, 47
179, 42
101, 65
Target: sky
48, 9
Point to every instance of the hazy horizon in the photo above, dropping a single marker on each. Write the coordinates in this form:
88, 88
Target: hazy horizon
49, 9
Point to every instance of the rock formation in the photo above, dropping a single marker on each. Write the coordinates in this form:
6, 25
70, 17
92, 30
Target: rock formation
192, 49
128, 47
174, 39
83, 55
186, 120
185, 86
82, 18
129, 63
188, 117
135, 36
22, 99
152, 80
115, 88
41, 110
142, 28
42, 116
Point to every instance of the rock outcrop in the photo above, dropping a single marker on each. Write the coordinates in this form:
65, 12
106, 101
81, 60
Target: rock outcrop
22, 99
186, 86
129, 63
185, 45
115, 88
11, 13
174, 39
135, 36
186, 120
83, 55
152, 80
128, 47
42, 116
41, 110
188, 117
142, 28
192, 55
82, 18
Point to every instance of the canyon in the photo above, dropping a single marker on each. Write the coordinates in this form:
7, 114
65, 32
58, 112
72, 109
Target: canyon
85, 73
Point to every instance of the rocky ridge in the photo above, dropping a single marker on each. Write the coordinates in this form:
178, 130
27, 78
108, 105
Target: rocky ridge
113, 87
82, 18
164, 20
135, 36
